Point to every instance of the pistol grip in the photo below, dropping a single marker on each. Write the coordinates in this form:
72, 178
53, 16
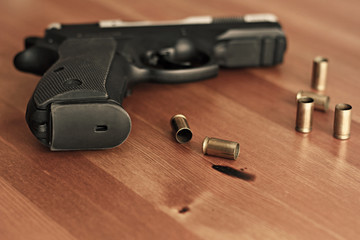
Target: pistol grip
77, 103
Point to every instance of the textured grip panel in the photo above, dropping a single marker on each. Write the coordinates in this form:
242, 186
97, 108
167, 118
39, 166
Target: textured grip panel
80, 72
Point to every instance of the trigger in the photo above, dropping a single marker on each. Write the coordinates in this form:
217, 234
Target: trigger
182, 55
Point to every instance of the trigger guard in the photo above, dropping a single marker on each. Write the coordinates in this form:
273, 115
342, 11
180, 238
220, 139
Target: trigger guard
166, 59
161, 68
183, 75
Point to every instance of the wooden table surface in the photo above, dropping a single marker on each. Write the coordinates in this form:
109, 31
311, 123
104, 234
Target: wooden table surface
150, 187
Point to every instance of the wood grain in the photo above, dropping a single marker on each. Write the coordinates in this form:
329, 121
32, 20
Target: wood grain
150, 187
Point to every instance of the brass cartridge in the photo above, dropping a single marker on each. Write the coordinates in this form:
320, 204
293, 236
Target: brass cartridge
319, 73
181, 128
342, 121
221, 148
321, 102
305, 109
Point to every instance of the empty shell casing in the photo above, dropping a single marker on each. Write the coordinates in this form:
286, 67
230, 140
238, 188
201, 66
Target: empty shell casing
321, 102
181, 128
342, 121
305, 109
319, 73
221, 148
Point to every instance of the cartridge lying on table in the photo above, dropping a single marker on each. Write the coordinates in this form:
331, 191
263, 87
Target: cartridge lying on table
321, 102
221, 148
181, 128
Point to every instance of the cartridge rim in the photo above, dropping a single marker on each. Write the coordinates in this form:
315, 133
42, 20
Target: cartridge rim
343, 107
299, 95
177, 116
237, 151
306, 100
205, 144
320, 59
341, 136
303, 130
326, 105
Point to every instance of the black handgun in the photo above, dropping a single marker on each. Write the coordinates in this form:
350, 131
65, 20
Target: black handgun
87, 69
